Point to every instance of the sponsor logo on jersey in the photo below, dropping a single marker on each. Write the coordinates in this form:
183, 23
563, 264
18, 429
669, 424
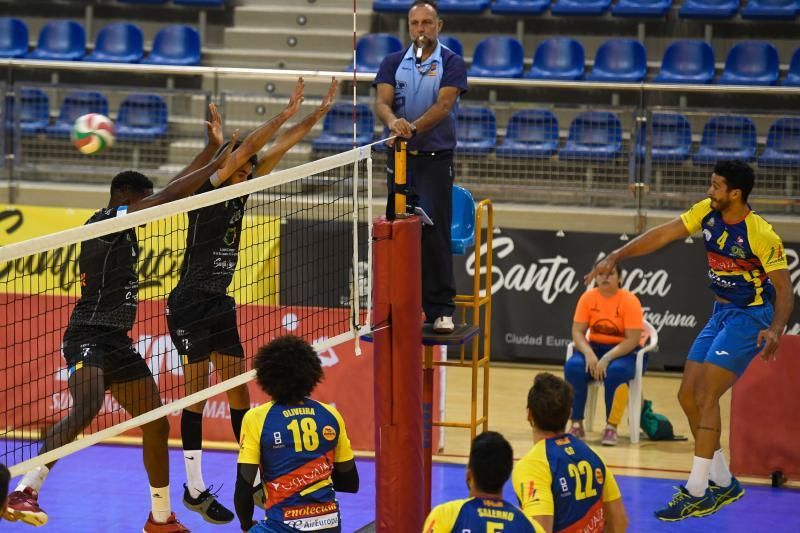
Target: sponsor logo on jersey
737, 251
315, 523
307, 511
329, 433
598, 475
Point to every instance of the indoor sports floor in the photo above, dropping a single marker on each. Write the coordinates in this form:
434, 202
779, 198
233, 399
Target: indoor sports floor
104, 488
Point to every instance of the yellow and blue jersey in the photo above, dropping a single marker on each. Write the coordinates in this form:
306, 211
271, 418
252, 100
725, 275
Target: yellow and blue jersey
479, 515
562, 477
740, 254
296, 447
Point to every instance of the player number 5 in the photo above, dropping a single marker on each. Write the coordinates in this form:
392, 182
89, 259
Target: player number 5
304, 434
494, 527
582, 469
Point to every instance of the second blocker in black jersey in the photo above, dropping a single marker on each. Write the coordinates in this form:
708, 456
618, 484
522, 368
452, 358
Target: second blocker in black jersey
212, 245
109, 280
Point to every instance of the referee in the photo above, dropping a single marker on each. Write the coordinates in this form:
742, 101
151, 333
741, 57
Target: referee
417, 98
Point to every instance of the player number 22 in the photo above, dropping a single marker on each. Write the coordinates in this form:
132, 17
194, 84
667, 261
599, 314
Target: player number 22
304, 433
582, 469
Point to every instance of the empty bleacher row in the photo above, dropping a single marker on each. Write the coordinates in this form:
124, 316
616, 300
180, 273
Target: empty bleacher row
121, 42
140, 117
595, 136
617, 60
702, 9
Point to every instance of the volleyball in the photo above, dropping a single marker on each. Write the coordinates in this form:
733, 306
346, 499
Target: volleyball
92, 133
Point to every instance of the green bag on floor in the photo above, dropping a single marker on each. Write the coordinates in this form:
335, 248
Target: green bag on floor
657, 426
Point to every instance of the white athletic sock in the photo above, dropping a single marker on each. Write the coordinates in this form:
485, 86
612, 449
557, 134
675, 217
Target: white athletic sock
33, 479
698, 478
720, 473
257, 482
193, 460
159, 502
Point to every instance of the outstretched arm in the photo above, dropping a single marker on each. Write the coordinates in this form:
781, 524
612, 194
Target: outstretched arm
287, 139
214, 134
183, 187
261, 135
648, 242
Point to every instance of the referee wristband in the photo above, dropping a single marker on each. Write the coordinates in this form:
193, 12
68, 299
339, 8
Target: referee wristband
215, 180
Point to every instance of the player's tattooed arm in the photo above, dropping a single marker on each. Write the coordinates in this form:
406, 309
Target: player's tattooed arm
345, 476
243, 494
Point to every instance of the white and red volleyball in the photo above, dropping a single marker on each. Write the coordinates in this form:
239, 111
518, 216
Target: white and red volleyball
92, 133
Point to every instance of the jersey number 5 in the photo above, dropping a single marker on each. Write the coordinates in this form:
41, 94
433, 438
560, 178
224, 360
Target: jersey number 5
304, 433
582, 472
494, 527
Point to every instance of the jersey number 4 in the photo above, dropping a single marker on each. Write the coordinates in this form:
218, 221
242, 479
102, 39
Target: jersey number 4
304, 433
583, 475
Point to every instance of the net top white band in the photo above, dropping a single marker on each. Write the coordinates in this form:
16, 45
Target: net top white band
14, 251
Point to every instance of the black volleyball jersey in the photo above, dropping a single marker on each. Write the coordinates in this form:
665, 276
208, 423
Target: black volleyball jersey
212, 245
109, 279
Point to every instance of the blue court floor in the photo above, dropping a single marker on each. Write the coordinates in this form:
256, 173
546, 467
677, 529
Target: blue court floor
104, 489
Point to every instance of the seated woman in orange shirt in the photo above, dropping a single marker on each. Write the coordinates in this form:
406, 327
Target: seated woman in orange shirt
613, 317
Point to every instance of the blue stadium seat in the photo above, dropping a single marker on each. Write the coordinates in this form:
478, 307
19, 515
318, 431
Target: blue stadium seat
462, 227
793, 78
587, 8
520, 7
60, 40
76, 104
337, 129
175, 44
751, 63
671, 138
119, 42
452, 43
641, 8
34, 111
620, 60
771, 9
142, 117
709, 9
726, 137
593, 136
498, 57
13, 37
391, 6
468, 7
687, 62
372, 48
783, 145
476, 131
559, 58
531, 133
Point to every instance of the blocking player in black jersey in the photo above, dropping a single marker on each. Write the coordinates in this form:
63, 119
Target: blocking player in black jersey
99, 353
201, 315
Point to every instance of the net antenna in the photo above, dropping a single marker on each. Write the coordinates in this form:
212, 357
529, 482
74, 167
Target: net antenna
287, 213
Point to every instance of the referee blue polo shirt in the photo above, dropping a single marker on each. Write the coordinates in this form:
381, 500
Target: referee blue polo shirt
416, 88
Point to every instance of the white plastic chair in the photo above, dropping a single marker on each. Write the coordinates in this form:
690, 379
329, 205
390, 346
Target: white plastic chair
634, 385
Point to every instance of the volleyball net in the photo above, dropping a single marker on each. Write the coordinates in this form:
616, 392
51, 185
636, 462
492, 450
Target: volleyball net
303, 267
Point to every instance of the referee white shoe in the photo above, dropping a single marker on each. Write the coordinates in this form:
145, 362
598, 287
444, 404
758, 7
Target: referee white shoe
443, 324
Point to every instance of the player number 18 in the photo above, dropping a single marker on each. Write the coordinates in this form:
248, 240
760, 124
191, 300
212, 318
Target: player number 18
304, 434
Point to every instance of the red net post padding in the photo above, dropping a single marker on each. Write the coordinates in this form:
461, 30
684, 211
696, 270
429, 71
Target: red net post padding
765, 428
398, 376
